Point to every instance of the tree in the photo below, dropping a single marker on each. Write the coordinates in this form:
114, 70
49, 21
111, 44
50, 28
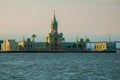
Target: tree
33, 36
63, 39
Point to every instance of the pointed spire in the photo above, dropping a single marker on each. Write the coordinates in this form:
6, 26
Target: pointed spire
54, 24
54, 17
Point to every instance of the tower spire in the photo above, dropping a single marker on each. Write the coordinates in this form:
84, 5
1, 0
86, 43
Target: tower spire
54, 24
54, 17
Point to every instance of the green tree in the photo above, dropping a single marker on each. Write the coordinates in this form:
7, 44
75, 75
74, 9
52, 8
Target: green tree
33, 36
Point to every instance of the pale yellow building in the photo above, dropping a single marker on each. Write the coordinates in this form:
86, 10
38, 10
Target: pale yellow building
9, 45
100, 46
104, 46
21, 45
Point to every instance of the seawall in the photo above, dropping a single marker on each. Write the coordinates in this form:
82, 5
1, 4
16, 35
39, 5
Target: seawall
59, 51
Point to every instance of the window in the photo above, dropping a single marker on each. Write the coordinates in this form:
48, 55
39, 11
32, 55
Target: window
25, 45
55, 44
55, 39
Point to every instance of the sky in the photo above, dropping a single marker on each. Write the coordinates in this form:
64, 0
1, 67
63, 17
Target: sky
94, 19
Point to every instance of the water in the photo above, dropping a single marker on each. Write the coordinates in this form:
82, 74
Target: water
65, 66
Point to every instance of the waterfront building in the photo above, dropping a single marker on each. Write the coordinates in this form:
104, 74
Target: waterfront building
56, 42
1, 43
54, 39
9, 45
105, 46
34, 46
79, 45
28, 45
40, 46
68, 45
21, 45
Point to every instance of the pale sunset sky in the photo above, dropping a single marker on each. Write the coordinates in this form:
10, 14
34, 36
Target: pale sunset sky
95, 19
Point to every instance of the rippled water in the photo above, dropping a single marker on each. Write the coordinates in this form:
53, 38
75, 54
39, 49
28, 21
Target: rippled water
65, 66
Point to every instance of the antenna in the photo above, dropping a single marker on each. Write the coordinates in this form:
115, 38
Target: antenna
109, 39
77, 39
23, 38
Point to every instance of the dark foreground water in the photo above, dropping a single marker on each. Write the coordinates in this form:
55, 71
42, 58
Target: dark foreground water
65, 66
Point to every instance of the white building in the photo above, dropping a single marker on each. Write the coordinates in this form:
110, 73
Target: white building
9, 45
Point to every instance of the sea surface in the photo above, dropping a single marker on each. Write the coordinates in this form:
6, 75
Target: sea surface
59, 66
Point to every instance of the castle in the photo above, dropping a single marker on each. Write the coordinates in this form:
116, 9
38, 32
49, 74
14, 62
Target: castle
54, 39
54, 42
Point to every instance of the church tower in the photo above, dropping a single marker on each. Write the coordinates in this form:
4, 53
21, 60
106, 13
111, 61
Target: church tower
54, 39
54, 25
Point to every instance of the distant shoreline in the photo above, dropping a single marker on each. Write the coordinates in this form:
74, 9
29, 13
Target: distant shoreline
57, 51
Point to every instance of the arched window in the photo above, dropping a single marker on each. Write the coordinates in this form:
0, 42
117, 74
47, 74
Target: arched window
55, 39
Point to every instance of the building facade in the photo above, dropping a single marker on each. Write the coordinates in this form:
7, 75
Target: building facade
1, 43
34, 46
28, 45
54, 39
40, 46
21, 45
78, 45
9, 45
105, 46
